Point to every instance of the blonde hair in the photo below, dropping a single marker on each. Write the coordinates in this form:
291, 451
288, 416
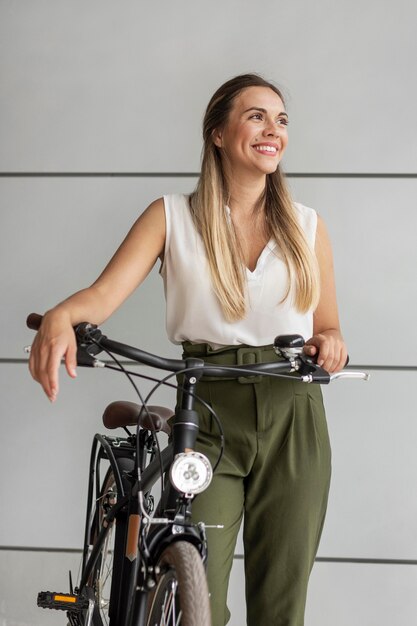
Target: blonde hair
208, 208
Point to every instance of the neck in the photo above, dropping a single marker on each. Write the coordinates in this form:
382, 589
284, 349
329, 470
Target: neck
245, 194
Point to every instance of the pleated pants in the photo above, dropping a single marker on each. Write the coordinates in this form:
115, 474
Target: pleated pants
274, 475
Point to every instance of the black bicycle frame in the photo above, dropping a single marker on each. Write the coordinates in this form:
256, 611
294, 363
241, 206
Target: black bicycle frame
128, 593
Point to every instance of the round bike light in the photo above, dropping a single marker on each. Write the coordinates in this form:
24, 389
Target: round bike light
191, 472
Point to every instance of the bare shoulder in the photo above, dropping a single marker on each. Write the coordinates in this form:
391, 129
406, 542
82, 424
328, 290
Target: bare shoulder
151, 222
323, 244
146, 239
321, 225
157, 206
155, 212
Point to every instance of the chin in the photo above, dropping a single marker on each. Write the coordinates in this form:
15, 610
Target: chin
271, 169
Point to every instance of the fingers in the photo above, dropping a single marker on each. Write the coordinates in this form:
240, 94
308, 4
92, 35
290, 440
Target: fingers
49, 381
48, 350
310, 350
331, 350
44, 363
33, 360
71, 360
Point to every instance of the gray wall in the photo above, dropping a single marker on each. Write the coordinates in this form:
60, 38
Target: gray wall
101, 107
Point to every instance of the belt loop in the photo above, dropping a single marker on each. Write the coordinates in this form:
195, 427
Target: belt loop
195, 349
249, 356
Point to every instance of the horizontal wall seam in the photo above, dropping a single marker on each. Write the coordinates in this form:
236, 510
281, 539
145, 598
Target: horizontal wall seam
384, 368
325, 559
196, 174
320, 559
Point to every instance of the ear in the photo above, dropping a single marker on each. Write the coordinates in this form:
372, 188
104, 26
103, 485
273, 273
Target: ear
217, 138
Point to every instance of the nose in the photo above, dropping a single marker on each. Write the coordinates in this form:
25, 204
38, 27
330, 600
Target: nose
271, 129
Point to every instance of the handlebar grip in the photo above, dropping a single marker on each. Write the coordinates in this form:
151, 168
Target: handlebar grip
33, 321
85, 356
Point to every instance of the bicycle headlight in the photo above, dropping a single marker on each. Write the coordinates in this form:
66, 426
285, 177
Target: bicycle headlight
191, 472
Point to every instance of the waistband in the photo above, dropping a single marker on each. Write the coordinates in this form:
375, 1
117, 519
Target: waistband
231, 355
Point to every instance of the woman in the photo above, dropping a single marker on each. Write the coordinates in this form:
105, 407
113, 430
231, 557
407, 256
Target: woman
241, 263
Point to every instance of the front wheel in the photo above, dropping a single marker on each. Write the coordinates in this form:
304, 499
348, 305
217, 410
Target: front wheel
180, 597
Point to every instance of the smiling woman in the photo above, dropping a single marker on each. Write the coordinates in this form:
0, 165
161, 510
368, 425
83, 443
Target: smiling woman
257, 122
241, 263
245, 136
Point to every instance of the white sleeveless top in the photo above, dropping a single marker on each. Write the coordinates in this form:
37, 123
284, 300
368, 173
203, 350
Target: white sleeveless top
193, 311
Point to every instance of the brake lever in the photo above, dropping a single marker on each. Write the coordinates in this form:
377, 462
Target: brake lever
313, 372
88, 336
303, 364
84, 359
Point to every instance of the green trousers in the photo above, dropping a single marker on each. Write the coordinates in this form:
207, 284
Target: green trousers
275, 475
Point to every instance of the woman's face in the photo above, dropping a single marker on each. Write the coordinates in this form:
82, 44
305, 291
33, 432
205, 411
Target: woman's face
255, 135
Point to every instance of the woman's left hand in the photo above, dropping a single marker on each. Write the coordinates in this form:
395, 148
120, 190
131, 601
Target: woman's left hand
329, 348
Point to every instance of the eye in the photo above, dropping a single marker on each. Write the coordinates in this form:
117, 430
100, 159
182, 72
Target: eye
256, 116
283, 121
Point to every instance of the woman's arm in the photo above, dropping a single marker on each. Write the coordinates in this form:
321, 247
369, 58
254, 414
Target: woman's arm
127, 269
327, 340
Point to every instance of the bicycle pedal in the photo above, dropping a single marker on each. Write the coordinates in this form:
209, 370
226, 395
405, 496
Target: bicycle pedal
61, 601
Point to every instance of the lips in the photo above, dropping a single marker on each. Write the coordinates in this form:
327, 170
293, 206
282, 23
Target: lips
267, 148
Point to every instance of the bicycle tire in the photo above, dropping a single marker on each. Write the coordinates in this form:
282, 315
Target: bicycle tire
101, 577
181, 594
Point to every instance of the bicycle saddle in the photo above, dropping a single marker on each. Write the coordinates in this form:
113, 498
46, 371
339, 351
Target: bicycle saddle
123, 413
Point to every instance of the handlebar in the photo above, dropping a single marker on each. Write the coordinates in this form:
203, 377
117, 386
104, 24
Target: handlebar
91, 341
33, 321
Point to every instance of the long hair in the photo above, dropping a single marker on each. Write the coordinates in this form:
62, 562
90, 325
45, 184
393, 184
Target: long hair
208, 208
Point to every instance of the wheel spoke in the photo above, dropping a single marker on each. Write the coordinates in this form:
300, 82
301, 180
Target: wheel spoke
101, 578
181, 588
169, 613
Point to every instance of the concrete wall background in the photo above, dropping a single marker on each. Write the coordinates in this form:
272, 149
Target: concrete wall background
101, 108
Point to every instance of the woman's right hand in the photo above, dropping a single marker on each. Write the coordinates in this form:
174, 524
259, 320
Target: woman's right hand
54, 341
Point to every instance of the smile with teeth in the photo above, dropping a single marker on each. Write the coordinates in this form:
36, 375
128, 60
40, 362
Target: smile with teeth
266, 148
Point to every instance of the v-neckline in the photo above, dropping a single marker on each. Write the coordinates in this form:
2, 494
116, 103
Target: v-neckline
261, 258
267, 248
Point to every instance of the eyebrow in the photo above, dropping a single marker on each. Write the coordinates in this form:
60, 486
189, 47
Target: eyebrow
263, 111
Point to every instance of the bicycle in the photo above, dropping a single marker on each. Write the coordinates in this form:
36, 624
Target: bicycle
144, 565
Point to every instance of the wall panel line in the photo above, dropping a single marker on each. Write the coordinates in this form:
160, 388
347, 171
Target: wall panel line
196, 174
